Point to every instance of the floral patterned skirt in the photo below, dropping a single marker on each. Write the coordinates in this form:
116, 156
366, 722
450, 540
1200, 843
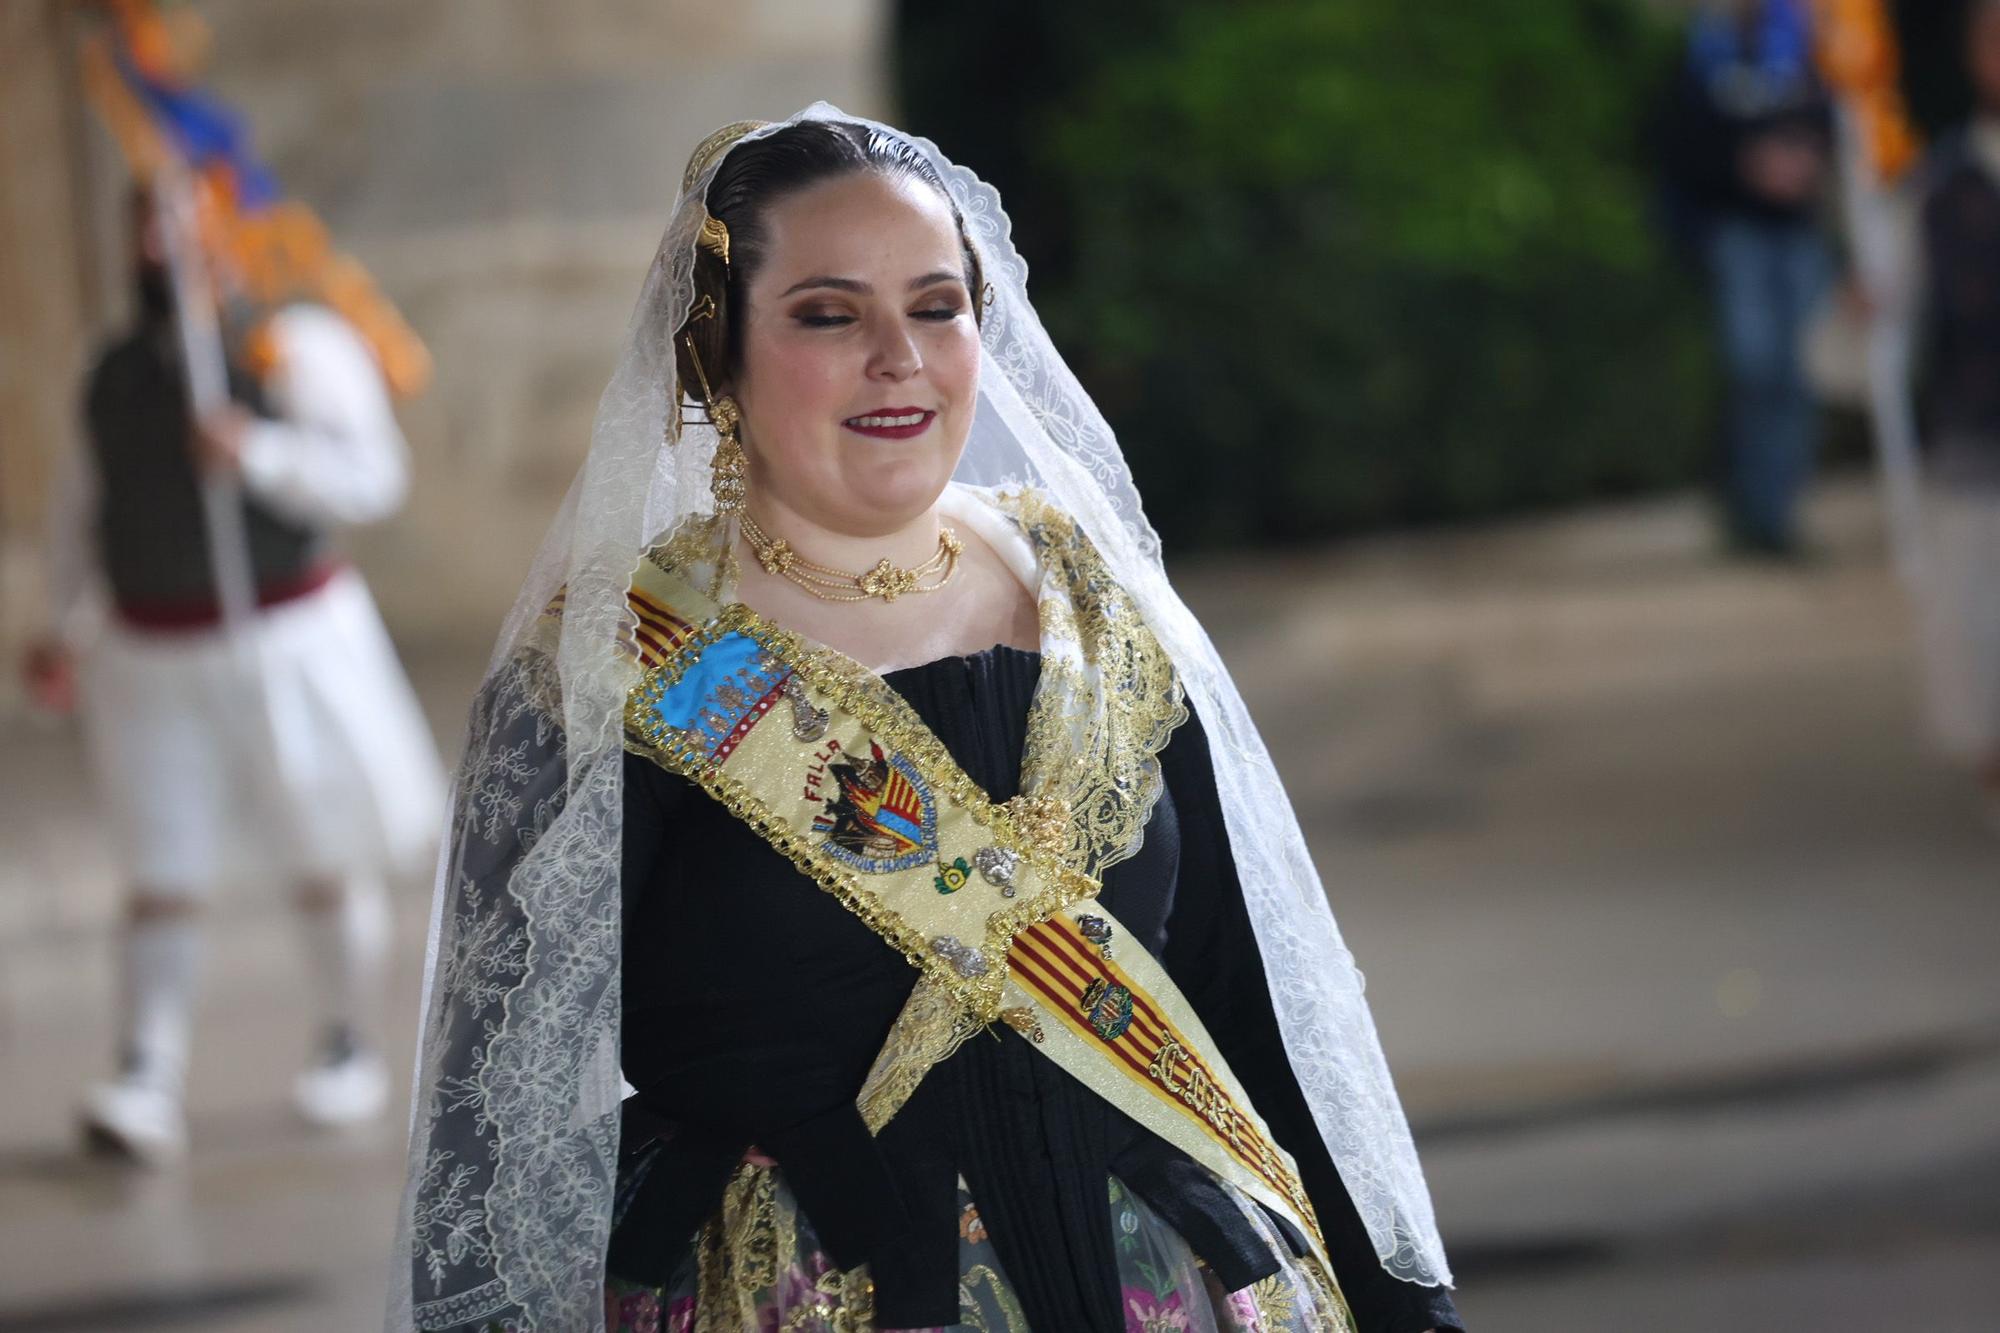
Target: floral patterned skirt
758, 1268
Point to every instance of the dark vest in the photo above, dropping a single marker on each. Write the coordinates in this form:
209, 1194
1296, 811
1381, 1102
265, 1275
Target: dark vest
151, 538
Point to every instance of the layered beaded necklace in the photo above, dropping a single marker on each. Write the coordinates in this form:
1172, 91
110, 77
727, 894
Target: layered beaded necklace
885, 580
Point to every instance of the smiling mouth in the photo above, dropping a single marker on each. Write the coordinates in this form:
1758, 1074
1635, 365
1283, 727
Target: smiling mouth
892, 425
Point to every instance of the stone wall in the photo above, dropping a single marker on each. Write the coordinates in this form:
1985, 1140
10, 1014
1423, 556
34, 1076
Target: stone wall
47, 283
503, 167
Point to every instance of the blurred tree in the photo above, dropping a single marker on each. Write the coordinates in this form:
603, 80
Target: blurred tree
1337, 264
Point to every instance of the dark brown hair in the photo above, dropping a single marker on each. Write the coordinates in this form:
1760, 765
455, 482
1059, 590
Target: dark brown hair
754, 175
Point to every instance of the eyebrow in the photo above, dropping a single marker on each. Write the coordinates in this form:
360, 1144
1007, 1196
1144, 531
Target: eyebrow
863, 289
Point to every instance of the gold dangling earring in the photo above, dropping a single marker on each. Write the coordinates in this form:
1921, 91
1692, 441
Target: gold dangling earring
728, 479
727, 472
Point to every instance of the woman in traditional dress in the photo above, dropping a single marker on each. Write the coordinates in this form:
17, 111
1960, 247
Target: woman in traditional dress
850, 778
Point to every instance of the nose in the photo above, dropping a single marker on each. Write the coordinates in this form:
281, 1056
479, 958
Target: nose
894, 358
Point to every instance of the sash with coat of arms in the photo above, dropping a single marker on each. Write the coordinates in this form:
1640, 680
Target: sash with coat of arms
992, 902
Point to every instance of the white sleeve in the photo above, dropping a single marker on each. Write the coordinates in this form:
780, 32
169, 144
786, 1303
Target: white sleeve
334, 454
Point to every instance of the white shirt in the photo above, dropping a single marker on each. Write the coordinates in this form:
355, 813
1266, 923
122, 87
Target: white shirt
332, 453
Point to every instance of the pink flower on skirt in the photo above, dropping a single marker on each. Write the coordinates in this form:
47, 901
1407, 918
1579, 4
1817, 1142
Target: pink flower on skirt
1243, 1309
1147, 1313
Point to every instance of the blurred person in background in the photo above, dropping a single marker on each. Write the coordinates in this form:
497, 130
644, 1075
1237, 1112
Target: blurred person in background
289, 748
1746, 147
1959, 256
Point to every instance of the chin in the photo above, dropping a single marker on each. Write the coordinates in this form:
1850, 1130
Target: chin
899, 490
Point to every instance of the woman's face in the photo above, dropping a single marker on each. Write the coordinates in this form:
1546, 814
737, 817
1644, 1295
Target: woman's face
860, 362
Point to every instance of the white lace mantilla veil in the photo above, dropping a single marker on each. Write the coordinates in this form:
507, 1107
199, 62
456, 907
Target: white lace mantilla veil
515, 1124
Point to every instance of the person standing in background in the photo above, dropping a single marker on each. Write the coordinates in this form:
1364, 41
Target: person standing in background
1747, 154
1960, 258
289, 747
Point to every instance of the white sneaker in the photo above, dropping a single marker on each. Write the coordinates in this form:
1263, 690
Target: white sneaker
349, 1091
139, 1121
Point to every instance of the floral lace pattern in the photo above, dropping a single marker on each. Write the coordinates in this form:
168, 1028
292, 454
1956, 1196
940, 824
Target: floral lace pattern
1108, 700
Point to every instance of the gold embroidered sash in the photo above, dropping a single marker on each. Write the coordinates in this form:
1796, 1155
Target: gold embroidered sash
976, 894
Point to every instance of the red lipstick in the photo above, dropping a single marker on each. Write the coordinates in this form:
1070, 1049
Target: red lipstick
892, 423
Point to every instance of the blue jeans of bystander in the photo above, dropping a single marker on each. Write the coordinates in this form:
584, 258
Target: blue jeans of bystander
1767, 278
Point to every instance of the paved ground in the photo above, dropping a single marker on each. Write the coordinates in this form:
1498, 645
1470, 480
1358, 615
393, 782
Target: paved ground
1680, 943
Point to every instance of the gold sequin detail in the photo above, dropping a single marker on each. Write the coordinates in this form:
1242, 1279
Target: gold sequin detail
743, 1251
1013, 1319
930, 1026
1109, 698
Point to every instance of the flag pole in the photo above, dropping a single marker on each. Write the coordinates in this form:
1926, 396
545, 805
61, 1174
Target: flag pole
205, 366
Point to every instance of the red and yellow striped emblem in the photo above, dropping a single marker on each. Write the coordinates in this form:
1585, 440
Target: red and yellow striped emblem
1102, 1003
656, 630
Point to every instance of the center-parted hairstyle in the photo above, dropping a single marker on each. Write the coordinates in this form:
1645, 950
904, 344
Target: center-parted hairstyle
755, 174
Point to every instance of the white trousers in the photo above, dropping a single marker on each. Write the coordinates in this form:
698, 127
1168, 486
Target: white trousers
295, 752
1961, 624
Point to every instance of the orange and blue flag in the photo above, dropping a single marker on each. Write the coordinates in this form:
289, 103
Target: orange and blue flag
262, 250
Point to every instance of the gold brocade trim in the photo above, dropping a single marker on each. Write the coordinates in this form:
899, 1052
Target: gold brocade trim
972, 1312
1328, 1295
1126, 1032
699, 548
1109, 698
1276, 1301
744, 1251
883, 713
928, 1028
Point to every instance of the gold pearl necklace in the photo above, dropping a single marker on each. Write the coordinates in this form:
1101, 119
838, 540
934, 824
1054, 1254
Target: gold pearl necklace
885, 580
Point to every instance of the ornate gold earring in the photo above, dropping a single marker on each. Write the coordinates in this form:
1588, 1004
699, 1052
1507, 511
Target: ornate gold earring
728, 479
728, 470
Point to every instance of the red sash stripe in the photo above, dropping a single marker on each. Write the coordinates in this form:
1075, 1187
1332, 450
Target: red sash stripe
658, 630
1142, 1004
1136, 1046
1055, 959
663, 619
651, 651
1083, 963
1066, 1004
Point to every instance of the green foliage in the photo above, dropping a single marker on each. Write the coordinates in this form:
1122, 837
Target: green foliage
1339, 264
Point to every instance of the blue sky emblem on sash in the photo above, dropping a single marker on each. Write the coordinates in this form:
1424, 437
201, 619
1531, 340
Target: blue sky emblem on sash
722, 694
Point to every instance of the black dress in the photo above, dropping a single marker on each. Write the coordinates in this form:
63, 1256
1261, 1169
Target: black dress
754, 1004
